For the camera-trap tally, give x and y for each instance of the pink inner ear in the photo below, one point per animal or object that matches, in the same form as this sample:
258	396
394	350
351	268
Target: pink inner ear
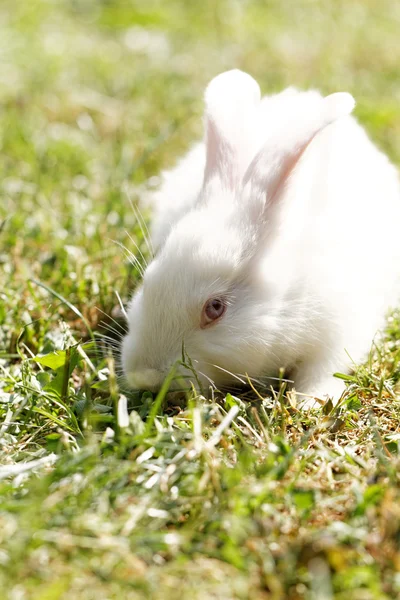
220	158
228	154
269	171
231	102
271	167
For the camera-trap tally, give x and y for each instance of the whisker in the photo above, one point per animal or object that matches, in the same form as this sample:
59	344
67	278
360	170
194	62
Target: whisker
142	224
137	248
211	382
107	338
112	319
106	348
260	382
134	261
121	305
228	373
107	327
131	257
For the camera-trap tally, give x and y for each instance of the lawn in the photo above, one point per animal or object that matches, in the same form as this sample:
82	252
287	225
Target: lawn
107	493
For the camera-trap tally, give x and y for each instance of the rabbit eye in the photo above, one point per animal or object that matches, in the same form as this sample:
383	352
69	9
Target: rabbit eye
212	311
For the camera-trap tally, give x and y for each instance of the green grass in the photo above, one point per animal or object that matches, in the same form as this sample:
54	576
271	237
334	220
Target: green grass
241	498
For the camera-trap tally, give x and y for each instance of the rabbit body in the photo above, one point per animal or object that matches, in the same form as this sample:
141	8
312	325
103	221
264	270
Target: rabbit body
300	240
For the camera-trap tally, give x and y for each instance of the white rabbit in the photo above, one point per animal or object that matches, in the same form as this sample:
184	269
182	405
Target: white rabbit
282	249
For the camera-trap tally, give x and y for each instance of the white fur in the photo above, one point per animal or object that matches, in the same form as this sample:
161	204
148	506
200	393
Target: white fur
301	237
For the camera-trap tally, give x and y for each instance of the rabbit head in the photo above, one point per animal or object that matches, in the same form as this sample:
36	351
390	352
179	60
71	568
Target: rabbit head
205	291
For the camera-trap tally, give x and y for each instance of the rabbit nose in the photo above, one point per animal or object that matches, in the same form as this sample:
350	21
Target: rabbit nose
146	379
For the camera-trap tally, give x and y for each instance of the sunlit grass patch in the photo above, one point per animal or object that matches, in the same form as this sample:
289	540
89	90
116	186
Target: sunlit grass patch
235	482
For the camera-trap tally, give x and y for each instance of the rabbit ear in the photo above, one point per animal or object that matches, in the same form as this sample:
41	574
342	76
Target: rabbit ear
271	167
230	102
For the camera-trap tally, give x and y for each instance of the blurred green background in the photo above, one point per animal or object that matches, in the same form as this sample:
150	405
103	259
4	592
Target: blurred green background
96	96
